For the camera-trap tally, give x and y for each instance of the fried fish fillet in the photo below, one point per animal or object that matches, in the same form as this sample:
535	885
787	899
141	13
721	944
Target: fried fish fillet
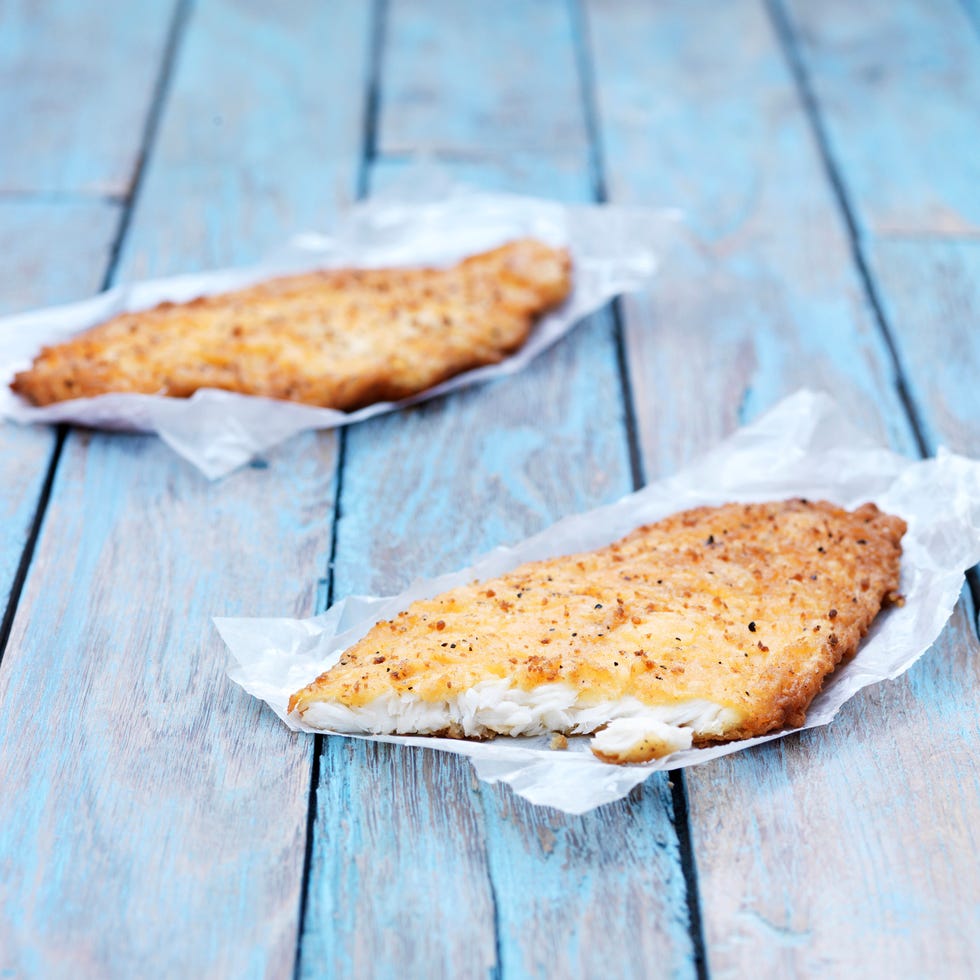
714	624
336	338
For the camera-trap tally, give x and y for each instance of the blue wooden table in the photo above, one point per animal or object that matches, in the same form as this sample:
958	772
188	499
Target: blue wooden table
154	820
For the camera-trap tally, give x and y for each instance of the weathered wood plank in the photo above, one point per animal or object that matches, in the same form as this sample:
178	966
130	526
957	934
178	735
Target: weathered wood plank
824	851
468	79
432	488
591	896
76	83
930	292
898	88
158	827
53	253
162	830
763	299
921	69
272	152
398	883
912	72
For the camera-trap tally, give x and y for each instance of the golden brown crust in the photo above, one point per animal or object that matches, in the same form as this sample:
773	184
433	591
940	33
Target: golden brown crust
748	606
338	339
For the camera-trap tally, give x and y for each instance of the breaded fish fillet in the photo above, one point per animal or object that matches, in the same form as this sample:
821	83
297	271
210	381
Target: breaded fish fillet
714	624
337	338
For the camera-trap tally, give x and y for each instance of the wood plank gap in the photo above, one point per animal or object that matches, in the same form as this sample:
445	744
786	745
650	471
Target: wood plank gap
590	105
151	128
178	21
308	849
790	50
788	44
973	582
497	970
326	594
24	565
593	128
586	70
678	796
368	155
372	107
637	469
335	517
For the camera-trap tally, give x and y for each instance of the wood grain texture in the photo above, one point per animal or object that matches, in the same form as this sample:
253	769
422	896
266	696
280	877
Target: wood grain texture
263	133
161	829
898	88
487	77
76	82
802	847
761	298
592	896
398	884
153	815
931	300
930	291
55	252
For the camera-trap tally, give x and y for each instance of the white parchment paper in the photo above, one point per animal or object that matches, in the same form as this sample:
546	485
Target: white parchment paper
614	250
803	447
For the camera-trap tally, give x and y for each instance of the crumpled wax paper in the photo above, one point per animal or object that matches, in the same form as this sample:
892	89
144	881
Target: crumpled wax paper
805	446
614	250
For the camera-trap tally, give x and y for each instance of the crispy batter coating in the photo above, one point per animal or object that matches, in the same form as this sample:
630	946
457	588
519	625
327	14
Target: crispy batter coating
747	606
337	338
